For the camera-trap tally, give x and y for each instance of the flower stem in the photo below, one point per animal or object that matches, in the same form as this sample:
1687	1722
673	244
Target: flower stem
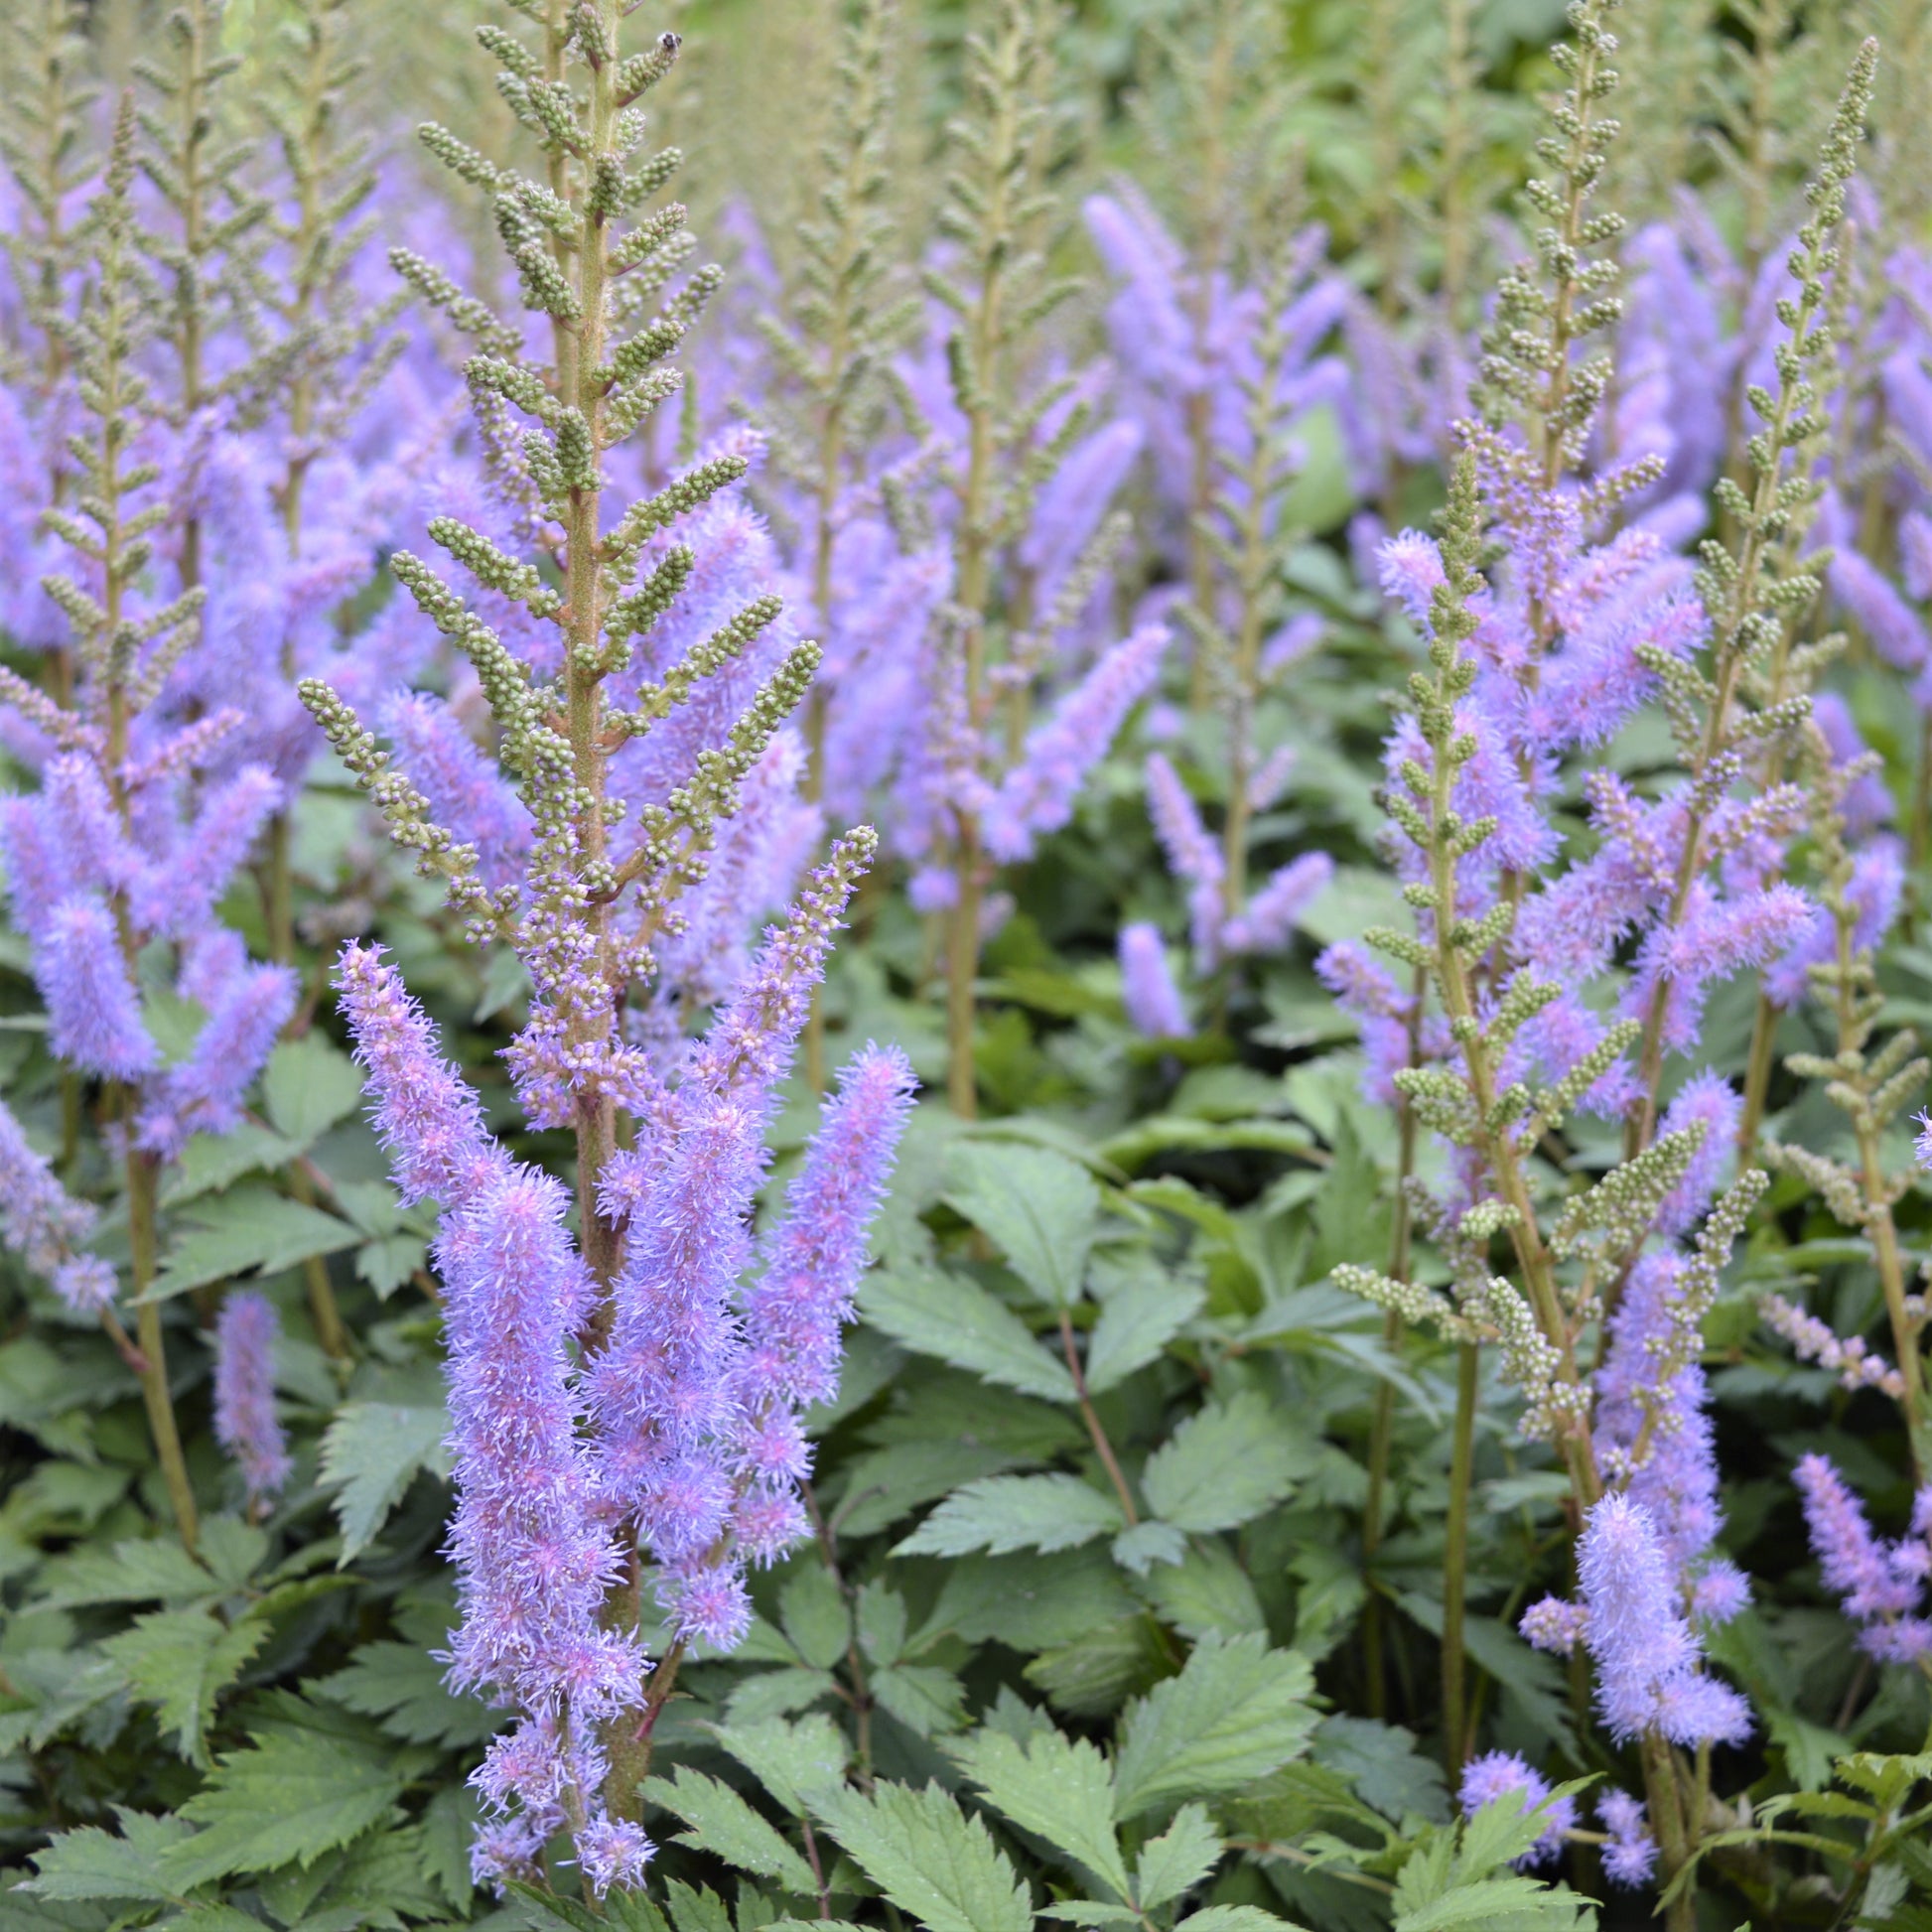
1456	1562
141	1176
1102	1446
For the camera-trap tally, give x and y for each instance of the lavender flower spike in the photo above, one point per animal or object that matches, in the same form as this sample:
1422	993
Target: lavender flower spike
43	1224
1631	1855
1647	1658
1153	1006
424	1112
245	1425
1881	1584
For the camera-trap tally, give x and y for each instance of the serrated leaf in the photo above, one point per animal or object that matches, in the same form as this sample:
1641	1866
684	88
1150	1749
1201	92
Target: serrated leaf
719	1821
958	1321
1499	1905
923	1697
1179	1859
1149	1546
232	1550
403	1685
309	1086
292	1797
1226	1464
778	1693
211	1162
137	1569
1236	1712
1382	1763
792	1760
371	1456
813	1612
91	1863
250	1230
1004	1513
1205	1593
1059	1789
1039	1208
928	1857
181	1661
1136	1321
880	1618
1235	1918
388	1263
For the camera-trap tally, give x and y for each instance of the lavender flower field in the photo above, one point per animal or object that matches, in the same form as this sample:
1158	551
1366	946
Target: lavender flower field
962	965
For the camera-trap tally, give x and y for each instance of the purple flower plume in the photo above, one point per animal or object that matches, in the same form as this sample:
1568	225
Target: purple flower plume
1631	1855
245	1425
1881	1584
1154	1004
45	1225
425	1113
1036	796
94	1011
1647	1656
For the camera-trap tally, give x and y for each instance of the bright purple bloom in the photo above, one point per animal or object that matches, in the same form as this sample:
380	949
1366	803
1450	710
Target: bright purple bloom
1276	910
92	1010
1708	1101
45	1225
1881	1584
1497	1775
1647	1657
1037	796
465	791
1554	1625
1154	1004
425	1113
1631	1855
245	1424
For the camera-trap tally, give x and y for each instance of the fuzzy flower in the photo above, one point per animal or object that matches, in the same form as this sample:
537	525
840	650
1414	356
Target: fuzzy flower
245	1424
1273	911
1813	1341
1153	1003
1881	1584
1555	1626
1647	1657
1037	796
424	1112
1497	1775
45	1225
92	1010
1631	1855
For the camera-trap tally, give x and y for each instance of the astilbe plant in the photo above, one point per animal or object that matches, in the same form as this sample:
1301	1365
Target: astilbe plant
116	865
625	1410
1023	490
1690	882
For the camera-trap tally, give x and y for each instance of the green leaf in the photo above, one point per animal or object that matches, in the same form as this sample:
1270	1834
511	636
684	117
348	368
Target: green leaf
388	1263
1236	1712
1041	1209
813	1612
957	1321
1205	1593
1179	1859
777	1694
371	1456
790	1759
1224	1466
881	1623
136	1570
928	1857
212	1162
181	1661
923	1697
1136	1322
309	1086
90	1864
719	1821
1235	1918
1384	1766
403	1685
1002	1513
293	1797
1057	1787
251	1230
